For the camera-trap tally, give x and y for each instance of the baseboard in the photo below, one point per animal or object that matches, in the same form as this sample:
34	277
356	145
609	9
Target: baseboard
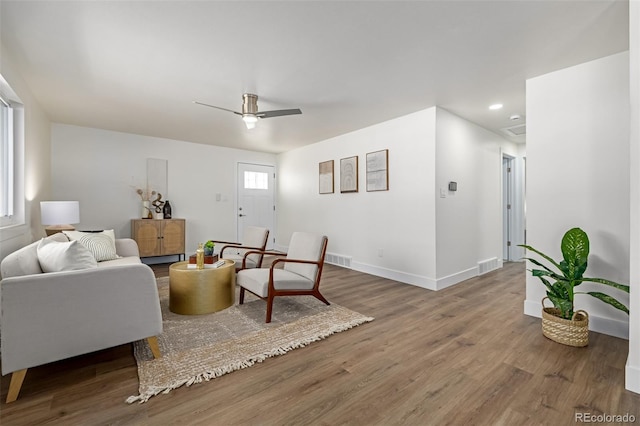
417	280
456	278
632	378
403	277
598	324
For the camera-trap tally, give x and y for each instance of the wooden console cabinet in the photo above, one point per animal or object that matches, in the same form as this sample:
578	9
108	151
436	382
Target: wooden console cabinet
159	237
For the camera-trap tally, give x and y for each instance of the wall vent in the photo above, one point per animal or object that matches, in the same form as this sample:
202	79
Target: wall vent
338	259
487	265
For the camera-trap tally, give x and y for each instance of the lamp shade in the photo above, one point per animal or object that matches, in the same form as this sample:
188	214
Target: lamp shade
59	212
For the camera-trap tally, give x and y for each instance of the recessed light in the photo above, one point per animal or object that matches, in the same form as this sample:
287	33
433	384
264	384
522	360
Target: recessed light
515	117
495	106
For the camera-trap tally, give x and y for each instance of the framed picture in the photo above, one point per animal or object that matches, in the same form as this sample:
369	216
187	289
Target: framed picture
326	177
349	174
378	170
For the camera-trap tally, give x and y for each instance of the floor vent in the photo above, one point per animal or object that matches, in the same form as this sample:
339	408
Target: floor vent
337	259
487	265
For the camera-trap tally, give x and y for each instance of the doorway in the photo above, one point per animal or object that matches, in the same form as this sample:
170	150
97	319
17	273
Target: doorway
256	198
507	207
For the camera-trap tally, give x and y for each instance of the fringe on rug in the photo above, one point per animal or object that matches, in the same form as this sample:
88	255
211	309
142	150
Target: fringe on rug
217	372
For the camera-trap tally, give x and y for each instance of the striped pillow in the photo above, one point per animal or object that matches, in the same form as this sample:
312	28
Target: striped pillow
101	244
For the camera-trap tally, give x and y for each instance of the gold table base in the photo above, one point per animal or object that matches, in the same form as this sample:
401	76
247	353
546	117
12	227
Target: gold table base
201	291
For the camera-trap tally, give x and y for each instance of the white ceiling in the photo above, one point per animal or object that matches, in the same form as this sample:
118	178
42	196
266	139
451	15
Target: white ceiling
136	66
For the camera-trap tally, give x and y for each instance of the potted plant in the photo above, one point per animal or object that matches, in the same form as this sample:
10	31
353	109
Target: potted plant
561	323
208	248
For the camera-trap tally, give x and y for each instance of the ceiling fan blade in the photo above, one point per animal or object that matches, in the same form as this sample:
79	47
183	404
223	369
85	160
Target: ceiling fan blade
217	107
278	113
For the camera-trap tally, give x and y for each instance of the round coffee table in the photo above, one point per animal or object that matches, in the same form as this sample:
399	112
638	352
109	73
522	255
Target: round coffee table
201	291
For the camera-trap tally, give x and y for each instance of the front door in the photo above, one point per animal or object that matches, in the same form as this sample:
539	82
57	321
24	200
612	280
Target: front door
256	198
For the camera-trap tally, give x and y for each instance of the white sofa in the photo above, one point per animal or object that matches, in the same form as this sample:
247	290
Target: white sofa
50	316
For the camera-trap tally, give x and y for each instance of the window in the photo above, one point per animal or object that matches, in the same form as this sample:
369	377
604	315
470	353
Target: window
11	157
6	159
256	180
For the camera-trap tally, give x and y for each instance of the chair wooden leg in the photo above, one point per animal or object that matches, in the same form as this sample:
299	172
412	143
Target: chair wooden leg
155	348
241	295
17	377
269	308
321	297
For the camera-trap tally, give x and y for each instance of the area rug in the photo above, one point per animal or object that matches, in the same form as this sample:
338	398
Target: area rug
197	348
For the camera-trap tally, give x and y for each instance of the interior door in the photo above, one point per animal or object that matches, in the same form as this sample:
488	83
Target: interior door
507	206
256	198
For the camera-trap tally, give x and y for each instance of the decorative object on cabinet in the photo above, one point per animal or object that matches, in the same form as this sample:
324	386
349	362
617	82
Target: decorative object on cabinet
378	170
326	177
159	237
166	210
145	196
158	206
59	215
349	174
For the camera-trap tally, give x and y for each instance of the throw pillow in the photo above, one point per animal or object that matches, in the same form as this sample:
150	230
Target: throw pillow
101	244
55	256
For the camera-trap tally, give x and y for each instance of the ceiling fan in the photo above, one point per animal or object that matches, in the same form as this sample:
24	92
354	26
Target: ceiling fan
250	114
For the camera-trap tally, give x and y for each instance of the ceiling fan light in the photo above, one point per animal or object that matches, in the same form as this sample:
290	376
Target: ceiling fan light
250	120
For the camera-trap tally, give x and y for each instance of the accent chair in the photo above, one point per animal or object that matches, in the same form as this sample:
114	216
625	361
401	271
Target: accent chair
299	276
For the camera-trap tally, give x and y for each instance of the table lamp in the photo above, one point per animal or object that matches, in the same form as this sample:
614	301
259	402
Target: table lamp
58	215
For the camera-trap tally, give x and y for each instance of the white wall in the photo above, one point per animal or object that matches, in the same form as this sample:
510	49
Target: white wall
425	240
469	220
37	160
578	175
100	169
632	380
400	221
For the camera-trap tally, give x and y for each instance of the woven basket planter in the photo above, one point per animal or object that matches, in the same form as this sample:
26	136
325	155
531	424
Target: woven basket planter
573	332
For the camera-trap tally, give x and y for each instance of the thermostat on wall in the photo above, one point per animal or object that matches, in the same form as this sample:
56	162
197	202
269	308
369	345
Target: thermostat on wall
453	186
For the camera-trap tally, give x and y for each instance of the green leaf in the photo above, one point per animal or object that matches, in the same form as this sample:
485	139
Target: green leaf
541	273
575	251
565	306
544	256
538	263
560	289
622	287
609	300
546	283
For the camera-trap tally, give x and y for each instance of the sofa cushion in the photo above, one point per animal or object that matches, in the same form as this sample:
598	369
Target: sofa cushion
25	260
257	280
129	260
101	244
55	256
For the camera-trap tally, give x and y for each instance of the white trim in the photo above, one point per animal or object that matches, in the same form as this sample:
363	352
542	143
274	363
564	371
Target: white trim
456	278
632	378
403	277
419	280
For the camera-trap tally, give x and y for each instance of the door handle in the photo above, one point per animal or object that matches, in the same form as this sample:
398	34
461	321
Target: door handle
242	215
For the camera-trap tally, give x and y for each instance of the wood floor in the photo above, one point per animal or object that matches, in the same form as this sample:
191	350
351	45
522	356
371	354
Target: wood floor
462	356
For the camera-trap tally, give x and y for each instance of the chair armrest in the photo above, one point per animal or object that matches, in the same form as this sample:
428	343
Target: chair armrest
258	250
240	246
287	260
224	242
126	247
